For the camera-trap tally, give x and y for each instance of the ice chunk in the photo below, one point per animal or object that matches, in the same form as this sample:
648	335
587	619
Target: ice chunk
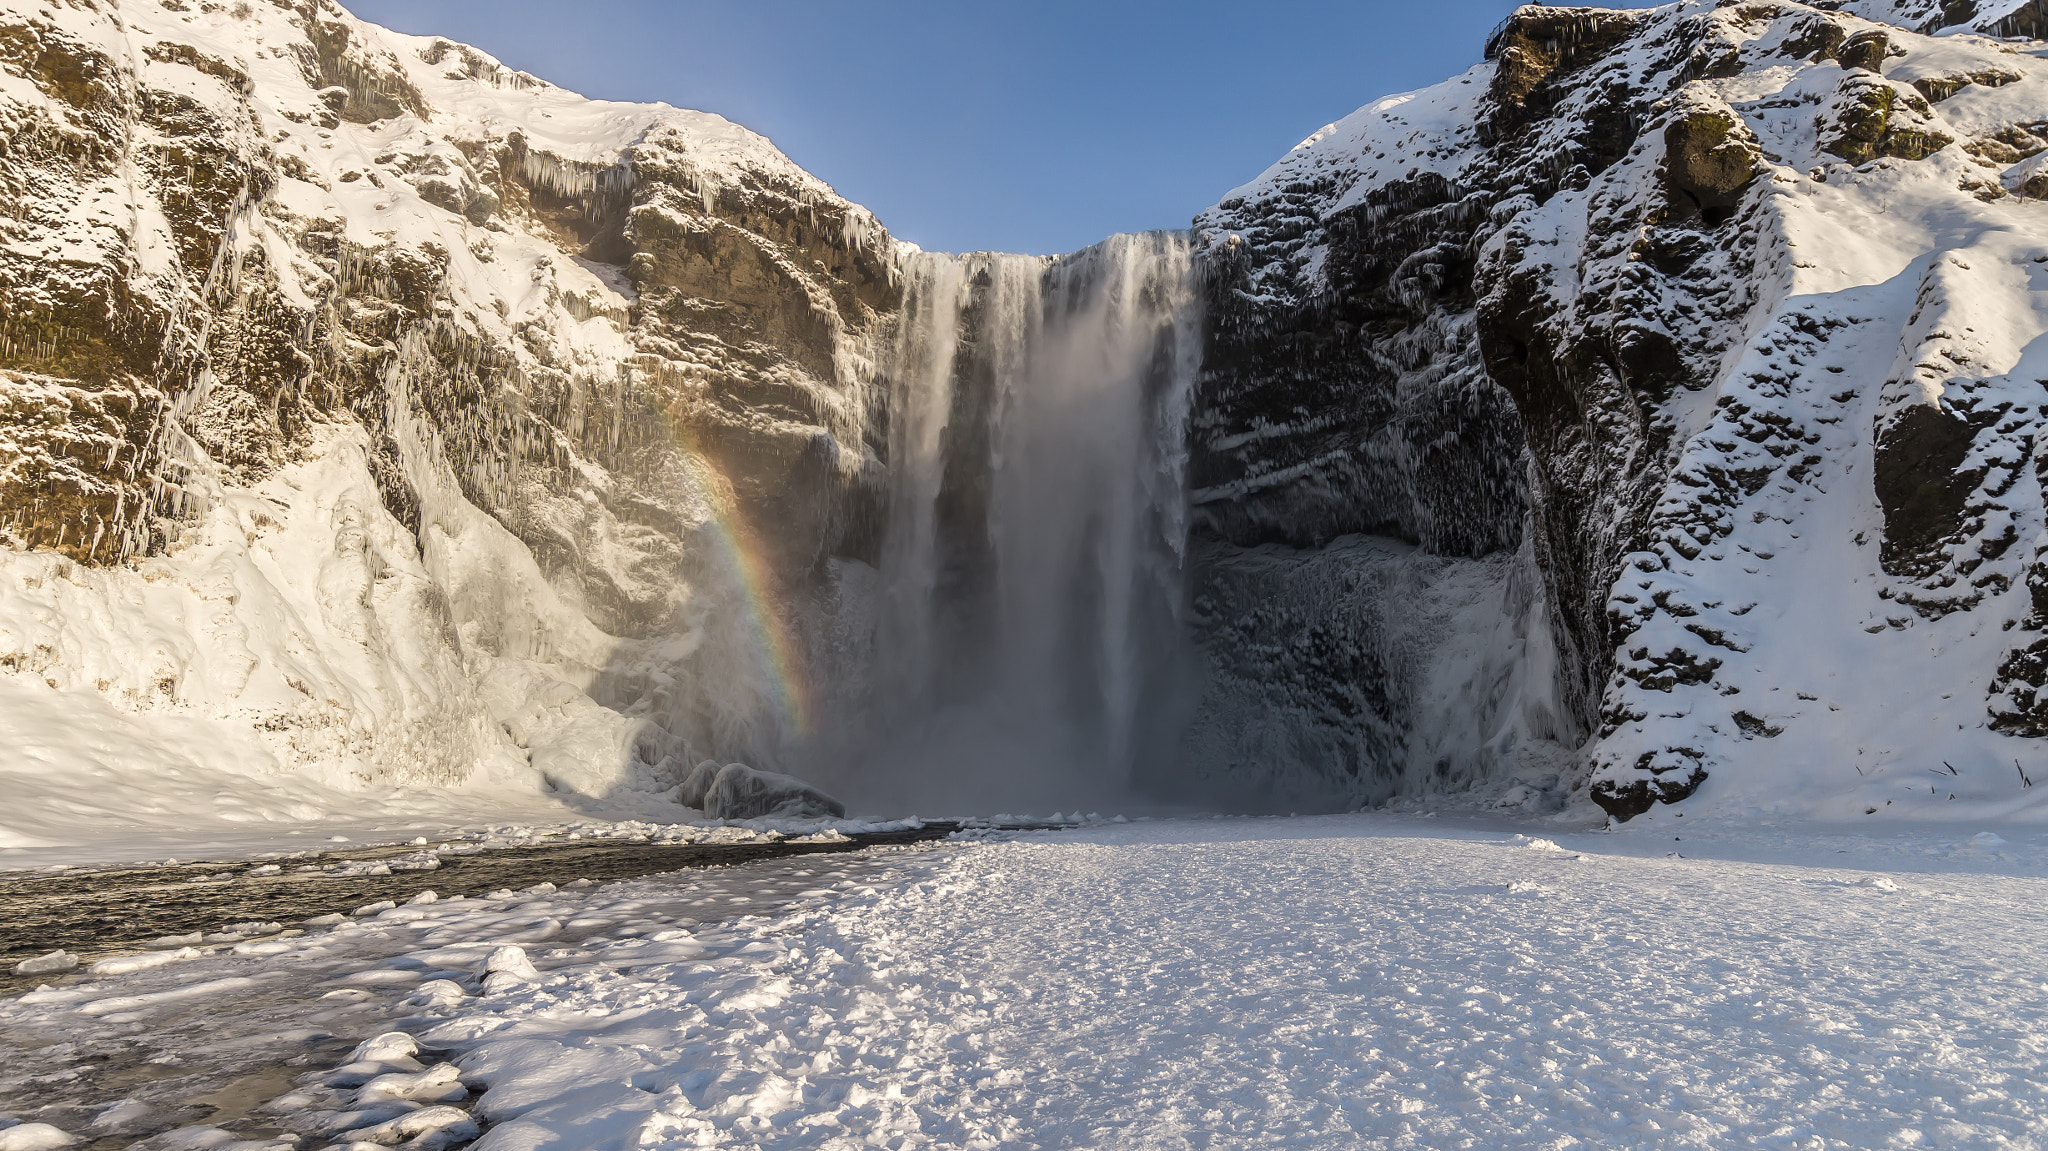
698	783
437	1084
451	1123
210	1139
437	993
58	960
389	1047
123	964
510	958
741	792
35	1137
506	968
253	928
829	835
123	1117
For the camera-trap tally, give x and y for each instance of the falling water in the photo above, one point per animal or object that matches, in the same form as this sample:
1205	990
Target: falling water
1027	646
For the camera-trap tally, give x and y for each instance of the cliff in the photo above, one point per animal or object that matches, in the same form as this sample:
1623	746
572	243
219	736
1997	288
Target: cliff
1738	301
396	418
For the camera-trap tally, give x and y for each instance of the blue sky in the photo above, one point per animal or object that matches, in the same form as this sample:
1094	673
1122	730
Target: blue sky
1038	127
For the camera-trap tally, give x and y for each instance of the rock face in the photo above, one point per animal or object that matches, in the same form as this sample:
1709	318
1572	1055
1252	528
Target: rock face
1740	288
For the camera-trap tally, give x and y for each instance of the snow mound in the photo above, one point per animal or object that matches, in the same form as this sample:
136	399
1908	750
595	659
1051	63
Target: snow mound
741	792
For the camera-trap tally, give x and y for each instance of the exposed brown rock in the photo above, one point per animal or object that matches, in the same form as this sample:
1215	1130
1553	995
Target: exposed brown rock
1710	157
1873	117
1865	50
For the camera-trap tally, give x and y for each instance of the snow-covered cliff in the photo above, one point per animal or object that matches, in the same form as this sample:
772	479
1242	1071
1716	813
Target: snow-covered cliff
376	416
1761	283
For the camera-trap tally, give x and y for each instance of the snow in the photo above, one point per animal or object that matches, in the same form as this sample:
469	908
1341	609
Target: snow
1428	130
1347	982
1828	946
300	664
34	1137
1355	981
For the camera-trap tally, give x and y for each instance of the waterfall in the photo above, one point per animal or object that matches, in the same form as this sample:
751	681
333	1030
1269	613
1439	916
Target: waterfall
1027	613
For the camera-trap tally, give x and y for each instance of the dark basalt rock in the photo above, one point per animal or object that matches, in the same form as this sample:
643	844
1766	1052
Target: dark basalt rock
1873	117
1364	395
1920	483
1865	50
2029	21
1540	43
1625	801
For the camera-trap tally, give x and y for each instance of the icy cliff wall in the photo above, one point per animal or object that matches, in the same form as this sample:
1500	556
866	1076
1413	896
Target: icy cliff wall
403	419
1756	285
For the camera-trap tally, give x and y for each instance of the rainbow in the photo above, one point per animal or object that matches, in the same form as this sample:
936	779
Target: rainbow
778	651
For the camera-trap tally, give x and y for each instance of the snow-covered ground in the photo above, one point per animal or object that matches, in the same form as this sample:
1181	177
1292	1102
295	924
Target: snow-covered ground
1340	981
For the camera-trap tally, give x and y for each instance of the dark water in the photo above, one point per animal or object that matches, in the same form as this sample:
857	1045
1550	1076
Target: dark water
99	913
